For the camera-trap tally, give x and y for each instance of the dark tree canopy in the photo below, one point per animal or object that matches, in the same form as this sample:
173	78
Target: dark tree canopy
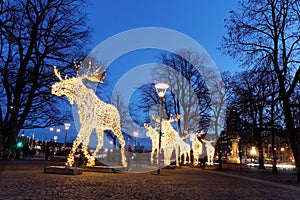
187	96
35	35
265	34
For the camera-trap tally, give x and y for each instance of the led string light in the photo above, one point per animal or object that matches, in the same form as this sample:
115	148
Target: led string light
196	146
170	141
210	149
93	114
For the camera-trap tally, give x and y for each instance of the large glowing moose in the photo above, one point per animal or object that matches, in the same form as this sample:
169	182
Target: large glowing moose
93	114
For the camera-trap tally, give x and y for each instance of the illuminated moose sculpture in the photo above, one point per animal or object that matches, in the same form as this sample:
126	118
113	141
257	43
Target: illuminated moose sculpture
93	114
185	149
210	149
171	140
153	134
196	146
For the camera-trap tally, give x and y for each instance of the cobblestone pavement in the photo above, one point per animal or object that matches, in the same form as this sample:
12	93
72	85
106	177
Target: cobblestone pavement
20	179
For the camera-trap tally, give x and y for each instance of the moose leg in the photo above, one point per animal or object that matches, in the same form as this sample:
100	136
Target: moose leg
117	131
189	155
70	160
152	153
85	143
91	159
184	158
100	135
167	155
196	158
177	156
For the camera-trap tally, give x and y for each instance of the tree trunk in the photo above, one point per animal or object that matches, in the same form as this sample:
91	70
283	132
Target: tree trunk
260	153
10	136
293	135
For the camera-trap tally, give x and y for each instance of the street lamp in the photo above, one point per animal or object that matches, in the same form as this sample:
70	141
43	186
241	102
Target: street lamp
57	131
67	127
160	90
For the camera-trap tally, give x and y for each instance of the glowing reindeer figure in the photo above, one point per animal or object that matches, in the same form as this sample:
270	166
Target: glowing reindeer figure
171	136
210	149
185	149
93	114
168	144
153	134
169	139
196	146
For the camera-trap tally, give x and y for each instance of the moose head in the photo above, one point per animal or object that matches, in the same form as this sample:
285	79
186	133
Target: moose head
151	131
70	86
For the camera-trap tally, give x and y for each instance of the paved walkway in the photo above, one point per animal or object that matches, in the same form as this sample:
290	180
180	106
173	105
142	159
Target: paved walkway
21	179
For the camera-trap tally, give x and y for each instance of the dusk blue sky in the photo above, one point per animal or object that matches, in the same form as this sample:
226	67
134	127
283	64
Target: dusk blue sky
199	19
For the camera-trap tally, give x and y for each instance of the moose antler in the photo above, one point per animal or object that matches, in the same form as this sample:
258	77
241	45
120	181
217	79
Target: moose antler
57	73
95	77
155	118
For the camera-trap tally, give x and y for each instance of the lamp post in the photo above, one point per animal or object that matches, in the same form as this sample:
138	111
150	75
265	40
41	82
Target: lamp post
160	90
55	136
67	127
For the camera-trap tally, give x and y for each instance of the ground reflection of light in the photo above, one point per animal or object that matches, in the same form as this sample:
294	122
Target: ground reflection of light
283	166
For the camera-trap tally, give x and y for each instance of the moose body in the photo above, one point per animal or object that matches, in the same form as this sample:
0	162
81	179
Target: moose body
170	142
210	149
197	147
93	114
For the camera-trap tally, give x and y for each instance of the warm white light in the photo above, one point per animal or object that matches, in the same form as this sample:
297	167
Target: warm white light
170	142
161	89
197	147
51	128
253	151
67	126
93	114
58	130
210	151
135	133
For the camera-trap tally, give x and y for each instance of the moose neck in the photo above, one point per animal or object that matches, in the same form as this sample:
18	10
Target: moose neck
85	96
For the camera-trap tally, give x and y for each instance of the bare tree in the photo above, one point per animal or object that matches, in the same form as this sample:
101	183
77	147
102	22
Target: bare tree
35	35
266	33
188	95
253	95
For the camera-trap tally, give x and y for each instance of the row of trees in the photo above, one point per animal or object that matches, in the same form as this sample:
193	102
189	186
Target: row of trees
263	36
34	36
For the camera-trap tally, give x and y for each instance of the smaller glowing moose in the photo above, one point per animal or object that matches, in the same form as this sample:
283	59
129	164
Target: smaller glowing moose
93	114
